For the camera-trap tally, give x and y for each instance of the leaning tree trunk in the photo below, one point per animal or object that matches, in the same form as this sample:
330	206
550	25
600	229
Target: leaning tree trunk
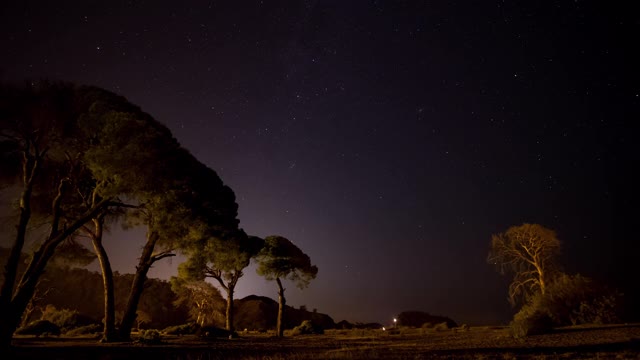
12	313
30	167
281	303
146	260
137	286
10	318
109	331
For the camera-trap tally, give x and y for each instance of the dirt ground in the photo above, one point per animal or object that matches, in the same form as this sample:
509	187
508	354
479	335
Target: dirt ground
586	342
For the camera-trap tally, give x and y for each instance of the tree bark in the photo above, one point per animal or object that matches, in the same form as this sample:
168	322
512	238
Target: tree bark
12	312
229	313
281	303
109	331
30	167
137	287
541	281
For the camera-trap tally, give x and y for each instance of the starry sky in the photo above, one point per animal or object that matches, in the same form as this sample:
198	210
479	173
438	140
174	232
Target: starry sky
387	139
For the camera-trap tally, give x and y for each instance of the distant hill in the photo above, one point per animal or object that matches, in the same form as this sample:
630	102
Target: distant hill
260	313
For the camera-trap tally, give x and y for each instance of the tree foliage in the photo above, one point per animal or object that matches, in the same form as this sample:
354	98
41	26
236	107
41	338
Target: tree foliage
576	299
40	125
550	298
74	152
222	259
280	260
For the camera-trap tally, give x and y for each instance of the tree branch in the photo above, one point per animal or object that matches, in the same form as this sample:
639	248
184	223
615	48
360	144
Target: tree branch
160	256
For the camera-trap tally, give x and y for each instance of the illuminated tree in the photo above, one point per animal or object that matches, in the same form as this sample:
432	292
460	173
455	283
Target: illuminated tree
223	260
203	300
280	260
528	251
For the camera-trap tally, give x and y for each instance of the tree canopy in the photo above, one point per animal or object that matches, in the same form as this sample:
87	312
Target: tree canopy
529	252
73	152
279	260
223	259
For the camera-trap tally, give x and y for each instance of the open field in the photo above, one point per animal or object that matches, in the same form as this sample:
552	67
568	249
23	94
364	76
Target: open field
586	342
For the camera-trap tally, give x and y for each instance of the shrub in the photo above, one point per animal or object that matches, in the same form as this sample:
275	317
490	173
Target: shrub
531	320
39	327
85	330
441	326
600	310
575	299
150	337
65	318
307	327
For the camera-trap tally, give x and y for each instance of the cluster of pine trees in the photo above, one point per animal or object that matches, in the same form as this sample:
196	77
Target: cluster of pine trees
76	160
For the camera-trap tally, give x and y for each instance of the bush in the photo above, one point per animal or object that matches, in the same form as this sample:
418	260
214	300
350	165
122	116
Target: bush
39	328
575	299
531	320
85	330
184	329
604	309
307	327
65	318
441	326
151	337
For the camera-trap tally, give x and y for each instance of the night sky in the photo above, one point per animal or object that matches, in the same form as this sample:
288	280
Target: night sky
388	140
